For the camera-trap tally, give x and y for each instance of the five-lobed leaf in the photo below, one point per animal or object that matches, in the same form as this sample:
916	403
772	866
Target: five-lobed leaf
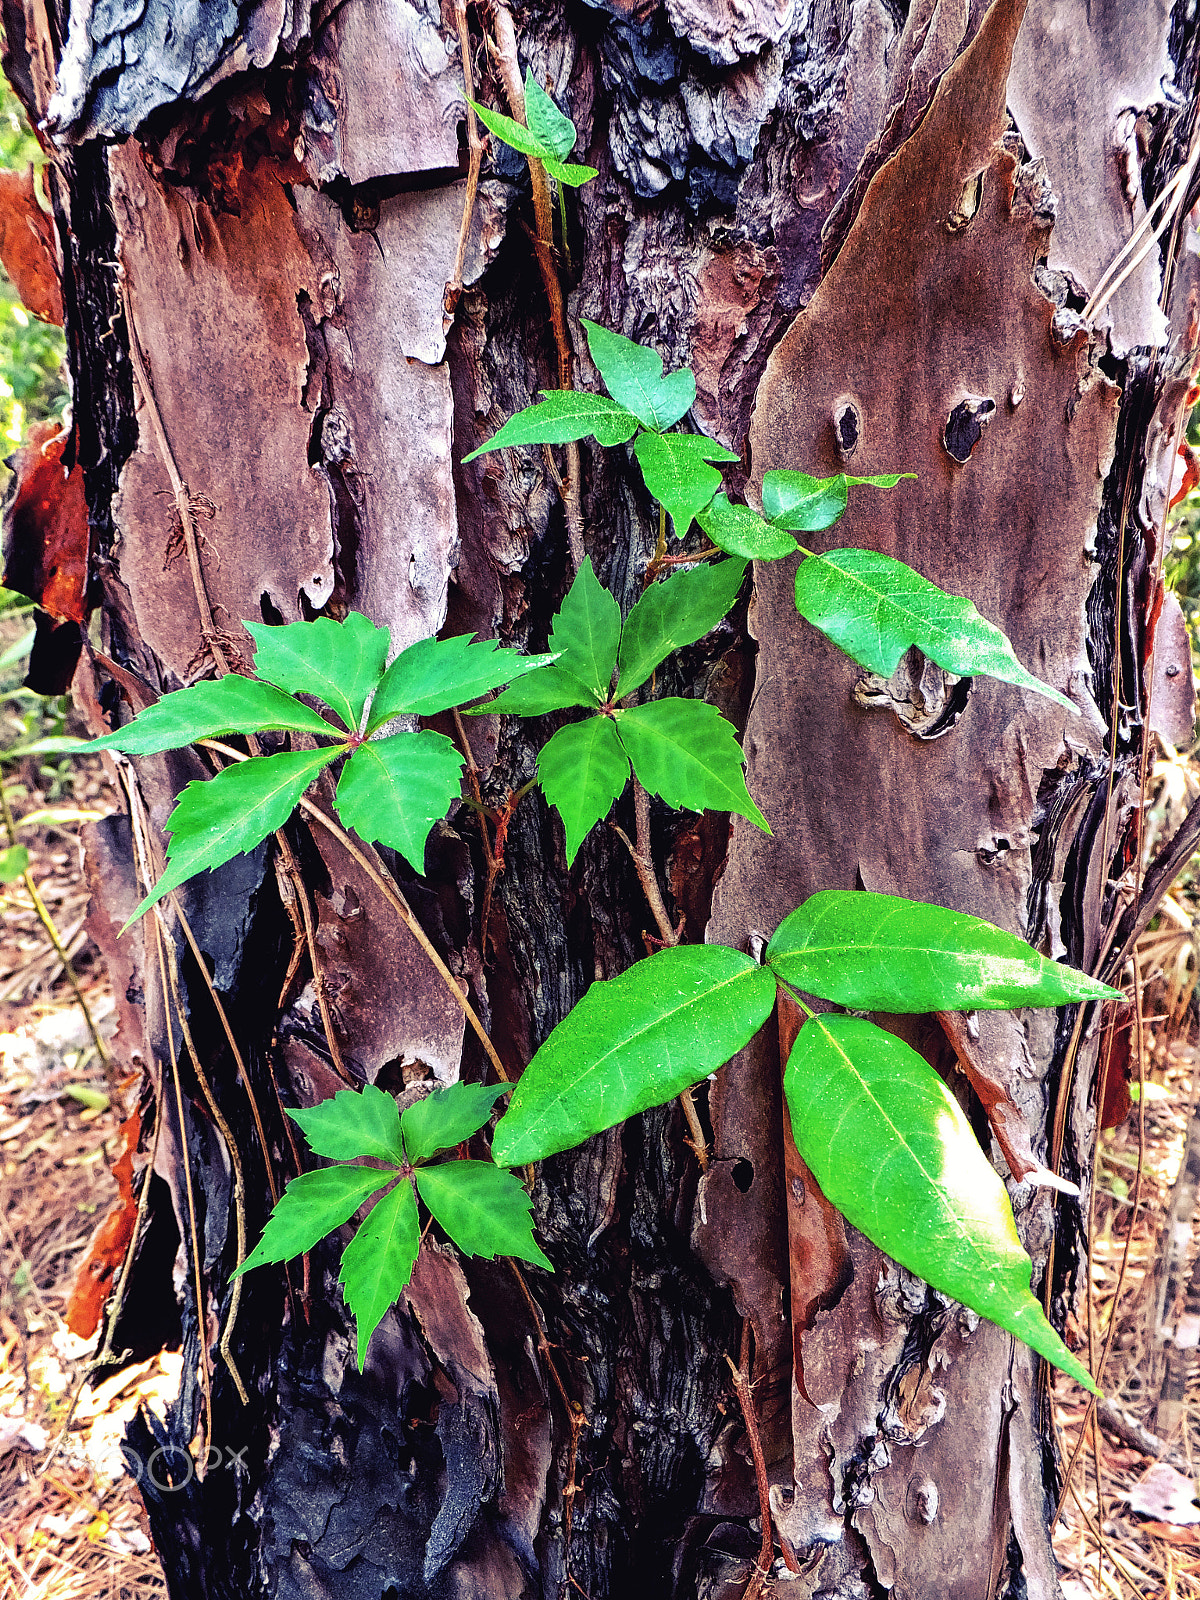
631	1043
435	674
483	1208
378	1262
232	704
393	790
561	417
582	769
311	1206
447	1117
875	608
353	1123
878	952
891	1148
685	752
674	613
233	813
339	662
742	532
675	471
633	375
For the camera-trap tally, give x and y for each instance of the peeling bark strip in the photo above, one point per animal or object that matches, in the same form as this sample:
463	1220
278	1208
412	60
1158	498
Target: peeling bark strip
284	209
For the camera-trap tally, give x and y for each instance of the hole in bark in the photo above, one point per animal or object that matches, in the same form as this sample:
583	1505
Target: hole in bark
964	426
742	1175
847	426
271	614
968	204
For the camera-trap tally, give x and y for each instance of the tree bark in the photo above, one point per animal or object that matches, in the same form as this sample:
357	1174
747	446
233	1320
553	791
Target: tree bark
872	233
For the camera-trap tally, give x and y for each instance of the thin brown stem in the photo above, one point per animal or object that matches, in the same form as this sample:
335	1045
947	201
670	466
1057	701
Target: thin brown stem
490	860
475	162
742	1388
543	212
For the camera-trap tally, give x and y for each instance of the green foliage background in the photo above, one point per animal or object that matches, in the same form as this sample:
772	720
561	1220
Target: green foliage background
32	374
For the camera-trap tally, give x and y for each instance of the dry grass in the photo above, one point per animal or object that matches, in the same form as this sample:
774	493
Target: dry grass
74	1528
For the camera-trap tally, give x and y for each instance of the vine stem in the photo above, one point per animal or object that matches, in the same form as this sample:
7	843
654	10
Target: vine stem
742	1388
475	146
543	243
398	904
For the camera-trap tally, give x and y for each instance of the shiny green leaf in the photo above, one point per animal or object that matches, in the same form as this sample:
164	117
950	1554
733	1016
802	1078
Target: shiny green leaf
673	465
560	417
796	501
447	1117
311	1206
587	632
378	1261
631	1043
685	752
339	662
890	1147
393	790
582	769
874	608
549	690
353	1123
743	532
877	952
674	613
207	710
435	674
483	1208
633	375
554	130
232	813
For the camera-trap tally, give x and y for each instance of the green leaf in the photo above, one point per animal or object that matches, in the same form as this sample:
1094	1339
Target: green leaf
673	465
14	862
435	674
587	632
633	375
447	1117
561	417
339	662
891	1148
311	1206
232	813
570	173
743	532
483	1208
393	790
634	1042
553	130
549	690
874	607
378	1261
685	752
793	500
674	613
515	134
232	704
582	769
877	952
352	1124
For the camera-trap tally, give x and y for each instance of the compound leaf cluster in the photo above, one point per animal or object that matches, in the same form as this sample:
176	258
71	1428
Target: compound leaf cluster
392	788
482	1207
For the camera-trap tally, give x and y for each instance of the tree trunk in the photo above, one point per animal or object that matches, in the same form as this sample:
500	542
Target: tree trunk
872	236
